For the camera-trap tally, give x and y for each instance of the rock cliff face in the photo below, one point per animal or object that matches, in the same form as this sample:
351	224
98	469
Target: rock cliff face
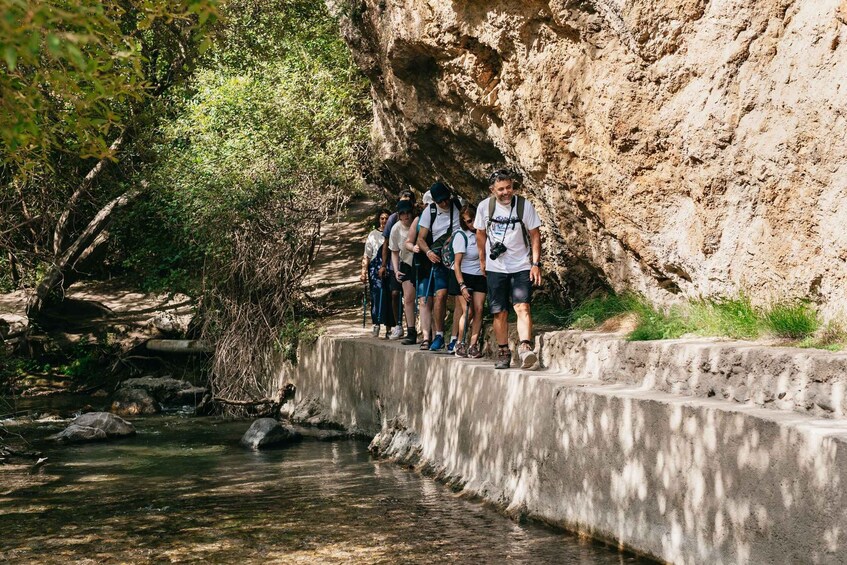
675	147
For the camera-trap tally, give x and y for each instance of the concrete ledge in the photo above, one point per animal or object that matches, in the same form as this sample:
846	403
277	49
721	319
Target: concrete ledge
686	480
804	380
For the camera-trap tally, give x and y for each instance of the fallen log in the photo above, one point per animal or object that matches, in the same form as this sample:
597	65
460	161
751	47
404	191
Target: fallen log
245	402
180	346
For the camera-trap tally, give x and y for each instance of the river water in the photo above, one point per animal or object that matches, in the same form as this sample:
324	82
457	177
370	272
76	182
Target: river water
182	490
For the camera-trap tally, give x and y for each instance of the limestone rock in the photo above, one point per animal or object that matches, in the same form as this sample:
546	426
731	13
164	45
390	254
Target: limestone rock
308	412
677	148
95	426
134	402
267	432
166	390
169	323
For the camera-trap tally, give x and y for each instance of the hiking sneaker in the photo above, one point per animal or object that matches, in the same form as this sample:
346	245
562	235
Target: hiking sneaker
474	352
411	337
396	333
451	346
461	350
504	358
437	343
528	356
376	330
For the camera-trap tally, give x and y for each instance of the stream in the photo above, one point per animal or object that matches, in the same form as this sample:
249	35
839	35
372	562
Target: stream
183	490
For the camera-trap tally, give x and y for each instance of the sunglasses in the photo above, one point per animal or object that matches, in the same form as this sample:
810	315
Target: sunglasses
500	174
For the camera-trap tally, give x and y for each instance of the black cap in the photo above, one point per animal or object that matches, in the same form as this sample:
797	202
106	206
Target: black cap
439	191
404	206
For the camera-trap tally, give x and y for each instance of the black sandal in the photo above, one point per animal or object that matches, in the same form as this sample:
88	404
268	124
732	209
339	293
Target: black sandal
425	345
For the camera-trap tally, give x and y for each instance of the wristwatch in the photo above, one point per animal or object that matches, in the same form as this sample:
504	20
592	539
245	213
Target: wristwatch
536	264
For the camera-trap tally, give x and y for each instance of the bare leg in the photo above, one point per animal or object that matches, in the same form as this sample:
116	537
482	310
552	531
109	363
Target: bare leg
409	303
501	327
425	311
439	310
524	321
478	304
456	315
459	314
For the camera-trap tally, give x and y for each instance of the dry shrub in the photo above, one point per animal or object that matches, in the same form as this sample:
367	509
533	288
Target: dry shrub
255	295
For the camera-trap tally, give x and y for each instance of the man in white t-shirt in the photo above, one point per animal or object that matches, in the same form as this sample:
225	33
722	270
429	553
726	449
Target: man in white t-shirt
434	234
509	241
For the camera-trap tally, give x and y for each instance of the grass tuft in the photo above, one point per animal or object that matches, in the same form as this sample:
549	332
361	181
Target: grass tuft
792	320
731	317
654	324
594	311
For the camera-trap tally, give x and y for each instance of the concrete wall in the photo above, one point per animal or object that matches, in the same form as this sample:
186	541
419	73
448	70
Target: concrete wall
783	378
686	480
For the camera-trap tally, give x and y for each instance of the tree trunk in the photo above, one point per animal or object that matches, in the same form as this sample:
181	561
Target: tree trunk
54	277
60	231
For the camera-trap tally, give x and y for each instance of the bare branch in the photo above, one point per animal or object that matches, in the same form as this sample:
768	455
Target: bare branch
61	226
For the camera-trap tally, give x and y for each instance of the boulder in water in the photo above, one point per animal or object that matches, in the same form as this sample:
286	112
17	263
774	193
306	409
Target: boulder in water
134	402
267	432
166	390
95	426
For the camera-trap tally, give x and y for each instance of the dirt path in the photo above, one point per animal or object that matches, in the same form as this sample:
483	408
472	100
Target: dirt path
333	280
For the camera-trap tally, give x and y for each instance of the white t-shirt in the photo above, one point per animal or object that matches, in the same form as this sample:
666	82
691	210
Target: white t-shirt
467	245
397	241
373	245
516	258
442	221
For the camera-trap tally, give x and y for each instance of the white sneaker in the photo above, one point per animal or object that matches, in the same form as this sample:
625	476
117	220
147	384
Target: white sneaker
528	358
376	330
396	333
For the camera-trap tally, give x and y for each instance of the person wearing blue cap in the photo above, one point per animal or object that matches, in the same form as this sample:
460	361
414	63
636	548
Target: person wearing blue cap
437	226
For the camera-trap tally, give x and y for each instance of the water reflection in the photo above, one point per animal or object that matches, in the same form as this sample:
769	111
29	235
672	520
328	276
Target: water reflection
182	490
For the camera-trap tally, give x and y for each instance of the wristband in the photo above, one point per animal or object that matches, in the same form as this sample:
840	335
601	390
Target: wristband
462	285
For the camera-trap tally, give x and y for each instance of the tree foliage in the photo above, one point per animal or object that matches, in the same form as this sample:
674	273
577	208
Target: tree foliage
77	77
260	148
244	120
73	68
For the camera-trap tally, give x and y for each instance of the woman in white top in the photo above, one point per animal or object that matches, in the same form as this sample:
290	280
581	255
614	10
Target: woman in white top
371	263
471	283
401	260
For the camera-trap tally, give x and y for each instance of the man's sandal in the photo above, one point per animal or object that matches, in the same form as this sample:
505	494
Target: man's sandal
425	345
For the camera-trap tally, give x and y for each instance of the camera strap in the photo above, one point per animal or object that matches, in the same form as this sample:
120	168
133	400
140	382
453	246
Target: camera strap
519	219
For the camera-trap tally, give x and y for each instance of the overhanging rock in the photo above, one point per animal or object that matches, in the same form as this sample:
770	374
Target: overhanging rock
684	479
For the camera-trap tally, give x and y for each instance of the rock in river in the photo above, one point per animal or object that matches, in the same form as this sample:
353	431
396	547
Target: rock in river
134	402
267	432
95	426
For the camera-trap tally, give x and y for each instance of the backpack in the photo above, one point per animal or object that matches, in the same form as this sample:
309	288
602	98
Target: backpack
440	244
521	205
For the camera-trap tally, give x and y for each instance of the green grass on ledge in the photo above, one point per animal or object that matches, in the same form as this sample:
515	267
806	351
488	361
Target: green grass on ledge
732	317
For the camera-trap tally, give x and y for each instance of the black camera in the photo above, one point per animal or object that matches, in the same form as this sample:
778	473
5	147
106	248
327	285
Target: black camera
497	249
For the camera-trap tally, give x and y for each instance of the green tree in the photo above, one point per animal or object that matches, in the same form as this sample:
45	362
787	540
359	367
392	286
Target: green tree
79	80
263	144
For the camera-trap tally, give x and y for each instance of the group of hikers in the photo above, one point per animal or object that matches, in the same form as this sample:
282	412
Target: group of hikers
455	249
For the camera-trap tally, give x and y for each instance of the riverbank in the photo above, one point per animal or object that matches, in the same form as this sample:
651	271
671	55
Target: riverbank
681	478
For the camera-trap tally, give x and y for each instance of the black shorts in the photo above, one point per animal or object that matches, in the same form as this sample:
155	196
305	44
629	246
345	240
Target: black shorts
507	289
407	273
452	284
393	285
475	283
